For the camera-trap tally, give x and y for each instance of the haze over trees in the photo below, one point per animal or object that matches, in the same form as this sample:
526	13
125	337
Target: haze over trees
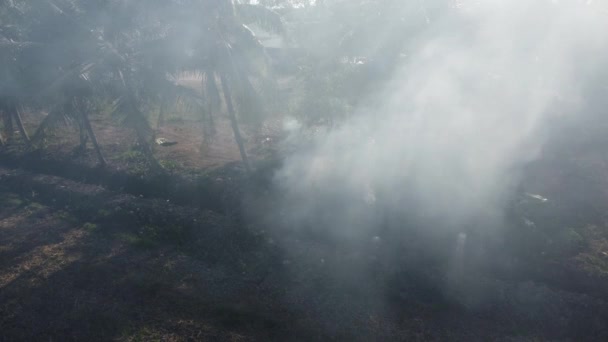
375	170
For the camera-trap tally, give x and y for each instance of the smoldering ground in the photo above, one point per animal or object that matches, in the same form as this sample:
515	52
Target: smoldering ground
408	197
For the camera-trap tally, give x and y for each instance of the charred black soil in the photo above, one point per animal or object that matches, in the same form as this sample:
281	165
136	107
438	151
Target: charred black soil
95	254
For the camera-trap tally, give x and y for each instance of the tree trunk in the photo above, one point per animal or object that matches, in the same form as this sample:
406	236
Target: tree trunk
161	116
143	133
143	136
7	120
212	95
234	123
22	130
41	130
84	137
89	128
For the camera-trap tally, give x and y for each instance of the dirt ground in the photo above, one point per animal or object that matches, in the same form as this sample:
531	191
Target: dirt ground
118	143
87	255
80	262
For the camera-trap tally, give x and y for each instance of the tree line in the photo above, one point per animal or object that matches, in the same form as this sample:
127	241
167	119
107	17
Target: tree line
71	58
76	58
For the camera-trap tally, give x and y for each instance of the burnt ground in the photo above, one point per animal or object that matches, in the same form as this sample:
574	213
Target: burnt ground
81	262
118	254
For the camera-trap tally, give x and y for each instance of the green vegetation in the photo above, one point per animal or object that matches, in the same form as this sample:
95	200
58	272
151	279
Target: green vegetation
65	215
11	201
103	213
90	227
149	236
170	165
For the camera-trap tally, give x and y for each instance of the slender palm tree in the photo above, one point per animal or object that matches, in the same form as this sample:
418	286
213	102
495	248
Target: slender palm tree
106	69
12	72
128	52
234	57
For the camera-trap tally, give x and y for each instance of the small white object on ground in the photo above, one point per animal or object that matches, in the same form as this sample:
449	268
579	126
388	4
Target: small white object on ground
537	197
165	142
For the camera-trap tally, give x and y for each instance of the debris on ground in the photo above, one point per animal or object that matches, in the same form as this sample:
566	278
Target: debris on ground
537	197
165	142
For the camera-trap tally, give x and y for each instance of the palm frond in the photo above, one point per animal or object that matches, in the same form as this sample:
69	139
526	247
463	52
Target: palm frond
188	98
127	111
264	17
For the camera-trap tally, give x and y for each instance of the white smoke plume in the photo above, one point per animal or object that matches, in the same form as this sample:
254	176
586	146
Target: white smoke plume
454	125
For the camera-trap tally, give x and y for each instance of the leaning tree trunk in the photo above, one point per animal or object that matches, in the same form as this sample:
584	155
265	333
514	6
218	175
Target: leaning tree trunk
4	121
7	120
142	129
16	114
161	115
212	95
87	125
40	132
143	138
82	133
234	123
84	137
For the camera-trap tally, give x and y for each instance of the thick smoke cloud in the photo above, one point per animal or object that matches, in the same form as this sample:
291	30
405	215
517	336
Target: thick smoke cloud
414	187
445	139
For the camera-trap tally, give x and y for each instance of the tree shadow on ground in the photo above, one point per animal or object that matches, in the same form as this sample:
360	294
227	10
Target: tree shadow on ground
120	277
